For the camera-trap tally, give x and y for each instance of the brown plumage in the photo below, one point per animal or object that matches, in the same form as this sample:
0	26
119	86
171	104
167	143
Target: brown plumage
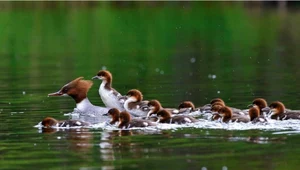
255	115
227	115
279	112
77	89
165	117
126	121
51	122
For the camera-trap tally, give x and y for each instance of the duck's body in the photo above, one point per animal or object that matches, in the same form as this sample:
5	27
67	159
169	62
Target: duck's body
127	122
165	116
188	107
109	96
50	122
237	111
255	116
135	104
279	112
78	90
226	113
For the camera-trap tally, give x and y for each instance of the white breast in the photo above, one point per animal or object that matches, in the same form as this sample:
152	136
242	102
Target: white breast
108	98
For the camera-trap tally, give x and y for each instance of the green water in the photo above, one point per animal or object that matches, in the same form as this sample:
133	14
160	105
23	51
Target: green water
168	52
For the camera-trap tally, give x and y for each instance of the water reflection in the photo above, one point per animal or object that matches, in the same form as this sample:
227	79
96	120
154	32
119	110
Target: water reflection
79	139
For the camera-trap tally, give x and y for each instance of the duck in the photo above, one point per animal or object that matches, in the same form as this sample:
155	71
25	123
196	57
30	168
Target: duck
154	106
78	89
110	97
255	115
189	106
278	112
50	122
234	110
127	122
165	116
226	113
135	104
260	103
114	113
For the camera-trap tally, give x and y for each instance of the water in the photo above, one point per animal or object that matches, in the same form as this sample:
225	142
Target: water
171	52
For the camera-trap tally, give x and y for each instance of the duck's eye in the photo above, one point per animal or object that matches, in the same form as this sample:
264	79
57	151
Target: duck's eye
65	90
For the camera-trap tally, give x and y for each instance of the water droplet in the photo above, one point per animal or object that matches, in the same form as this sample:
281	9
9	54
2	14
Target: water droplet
157	69
224	168
103	67
218	92
58	137
193	60
213	76
162	72
23	92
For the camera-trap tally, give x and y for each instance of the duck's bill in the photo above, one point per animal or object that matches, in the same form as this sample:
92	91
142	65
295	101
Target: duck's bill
95	77
250	105
59	93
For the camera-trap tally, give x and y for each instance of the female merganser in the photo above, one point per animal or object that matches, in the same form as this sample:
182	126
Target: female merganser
126	121
135	104
78	90
255	115
279	112
226	114
49	122
110	97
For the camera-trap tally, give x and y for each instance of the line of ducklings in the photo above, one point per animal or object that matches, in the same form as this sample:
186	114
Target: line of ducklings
132	111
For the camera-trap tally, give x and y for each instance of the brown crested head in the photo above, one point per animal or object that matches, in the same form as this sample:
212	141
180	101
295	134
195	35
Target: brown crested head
124	117
277	107
104	75
254	112
114	113
216	107
217	100
260	102
155	106
225	111
164	114
186	104
135	93
77	89
49	121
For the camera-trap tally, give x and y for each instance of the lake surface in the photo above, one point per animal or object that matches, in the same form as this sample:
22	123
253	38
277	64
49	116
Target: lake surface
171	52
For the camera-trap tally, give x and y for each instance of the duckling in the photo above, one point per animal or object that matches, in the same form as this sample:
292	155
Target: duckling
226	113
279	112
50	122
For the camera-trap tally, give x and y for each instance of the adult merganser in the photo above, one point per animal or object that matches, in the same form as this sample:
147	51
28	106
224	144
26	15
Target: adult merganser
50	122
110	97
226	113
78	90
279	112
135	104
